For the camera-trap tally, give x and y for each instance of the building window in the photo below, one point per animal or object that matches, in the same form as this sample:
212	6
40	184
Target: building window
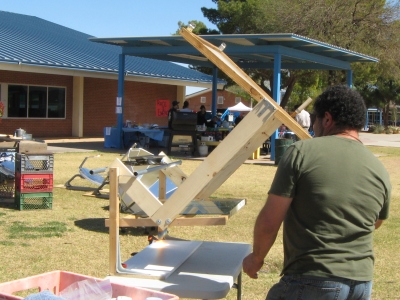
238	100
35	102
202	99
56	103
220	100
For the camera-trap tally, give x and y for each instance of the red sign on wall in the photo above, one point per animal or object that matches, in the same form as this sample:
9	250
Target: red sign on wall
162	107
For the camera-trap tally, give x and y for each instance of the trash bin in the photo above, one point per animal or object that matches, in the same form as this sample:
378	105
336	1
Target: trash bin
280	147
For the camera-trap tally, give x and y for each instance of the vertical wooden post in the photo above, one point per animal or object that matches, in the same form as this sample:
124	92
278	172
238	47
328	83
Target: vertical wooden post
114	220
162	186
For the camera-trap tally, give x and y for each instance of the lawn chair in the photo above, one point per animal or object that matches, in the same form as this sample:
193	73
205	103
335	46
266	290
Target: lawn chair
93	176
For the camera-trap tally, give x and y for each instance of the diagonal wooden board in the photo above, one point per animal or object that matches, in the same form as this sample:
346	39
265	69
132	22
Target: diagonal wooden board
250	133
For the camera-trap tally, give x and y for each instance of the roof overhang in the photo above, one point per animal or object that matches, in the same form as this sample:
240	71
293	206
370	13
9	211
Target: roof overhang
246	50
113	75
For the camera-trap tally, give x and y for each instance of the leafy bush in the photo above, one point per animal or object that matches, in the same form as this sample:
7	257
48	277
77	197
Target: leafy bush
378	128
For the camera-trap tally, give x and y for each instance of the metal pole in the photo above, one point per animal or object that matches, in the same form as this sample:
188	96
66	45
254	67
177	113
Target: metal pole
119	109
276	94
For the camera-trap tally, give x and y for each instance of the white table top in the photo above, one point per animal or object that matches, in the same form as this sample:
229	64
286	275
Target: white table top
208	273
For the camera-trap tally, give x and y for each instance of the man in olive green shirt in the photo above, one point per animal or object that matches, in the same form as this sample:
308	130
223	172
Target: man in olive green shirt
330	192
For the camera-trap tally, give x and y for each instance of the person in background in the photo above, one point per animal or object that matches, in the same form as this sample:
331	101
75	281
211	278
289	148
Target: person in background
215	122
238	119
281	131
201	116
303	118
173	109
185	107
331	193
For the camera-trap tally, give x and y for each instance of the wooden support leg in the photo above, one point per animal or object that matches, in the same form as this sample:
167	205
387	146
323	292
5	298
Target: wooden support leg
114	220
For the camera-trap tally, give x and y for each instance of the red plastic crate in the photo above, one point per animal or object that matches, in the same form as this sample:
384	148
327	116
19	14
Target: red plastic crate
33	183
57	281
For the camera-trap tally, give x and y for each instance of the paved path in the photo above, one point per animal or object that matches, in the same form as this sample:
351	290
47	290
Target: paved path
383	140
93	144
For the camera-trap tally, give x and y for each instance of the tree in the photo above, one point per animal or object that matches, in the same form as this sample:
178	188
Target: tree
385	94
367	26
199	28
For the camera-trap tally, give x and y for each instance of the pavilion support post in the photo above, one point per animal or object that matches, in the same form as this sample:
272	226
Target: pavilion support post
276	94
349	78
120	100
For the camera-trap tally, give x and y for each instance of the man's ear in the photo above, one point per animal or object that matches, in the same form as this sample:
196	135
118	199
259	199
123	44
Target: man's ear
328	121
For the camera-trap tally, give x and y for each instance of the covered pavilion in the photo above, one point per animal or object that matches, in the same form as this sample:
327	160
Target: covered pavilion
275	51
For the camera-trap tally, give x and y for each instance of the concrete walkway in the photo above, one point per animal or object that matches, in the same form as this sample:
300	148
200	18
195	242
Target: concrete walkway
382	140
97	144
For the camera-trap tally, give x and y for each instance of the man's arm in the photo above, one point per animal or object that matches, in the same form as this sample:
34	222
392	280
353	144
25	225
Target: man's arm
266	229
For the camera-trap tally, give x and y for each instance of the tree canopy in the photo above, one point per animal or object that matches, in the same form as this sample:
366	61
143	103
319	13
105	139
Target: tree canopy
371	27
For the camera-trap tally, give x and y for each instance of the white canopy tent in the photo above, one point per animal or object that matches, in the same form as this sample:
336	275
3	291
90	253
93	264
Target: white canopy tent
239	107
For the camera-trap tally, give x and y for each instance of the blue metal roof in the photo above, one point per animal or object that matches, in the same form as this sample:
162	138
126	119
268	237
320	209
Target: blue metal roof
246	50
29	40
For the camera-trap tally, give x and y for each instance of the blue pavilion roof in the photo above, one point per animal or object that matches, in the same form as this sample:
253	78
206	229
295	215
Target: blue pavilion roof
31	41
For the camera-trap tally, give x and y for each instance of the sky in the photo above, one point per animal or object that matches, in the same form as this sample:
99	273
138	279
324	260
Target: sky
117	18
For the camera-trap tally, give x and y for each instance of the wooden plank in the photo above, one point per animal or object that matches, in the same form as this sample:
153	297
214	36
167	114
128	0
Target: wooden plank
251	132
175	174
182	221
137	192
162	184
123	170
301	107
236	148
114	220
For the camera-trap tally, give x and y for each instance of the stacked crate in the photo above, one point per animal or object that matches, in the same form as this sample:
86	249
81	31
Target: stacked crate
34	180
7	172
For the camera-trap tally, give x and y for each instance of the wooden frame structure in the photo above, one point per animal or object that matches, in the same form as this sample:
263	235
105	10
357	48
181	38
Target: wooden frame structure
251	132
217	167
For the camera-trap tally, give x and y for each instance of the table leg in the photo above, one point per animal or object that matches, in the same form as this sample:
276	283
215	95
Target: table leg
238	286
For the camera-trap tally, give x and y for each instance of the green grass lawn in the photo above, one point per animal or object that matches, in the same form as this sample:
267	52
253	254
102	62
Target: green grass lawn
72	237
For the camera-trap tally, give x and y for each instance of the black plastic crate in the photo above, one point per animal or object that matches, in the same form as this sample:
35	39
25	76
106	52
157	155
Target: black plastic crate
7	188
25	201
34	163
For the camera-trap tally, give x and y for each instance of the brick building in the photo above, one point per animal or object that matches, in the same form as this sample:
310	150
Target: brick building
55	82
225	99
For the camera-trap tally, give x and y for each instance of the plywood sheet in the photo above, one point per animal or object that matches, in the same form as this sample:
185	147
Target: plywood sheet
160	259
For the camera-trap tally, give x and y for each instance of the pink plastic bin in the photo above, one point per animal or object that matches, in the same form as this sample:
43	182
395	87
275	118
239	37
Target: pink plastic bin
56	281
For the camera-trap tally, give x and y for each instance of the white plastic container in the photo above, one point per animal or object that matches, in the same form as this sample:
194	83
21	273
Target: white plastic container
203	149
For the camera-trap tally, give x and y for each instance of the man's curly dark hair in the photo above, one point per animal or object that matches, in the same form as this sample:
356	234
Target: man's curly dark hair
346	106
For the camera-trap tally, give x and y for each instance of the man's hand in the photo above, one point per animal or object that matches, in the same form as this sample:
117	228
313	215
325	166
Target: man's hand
251	265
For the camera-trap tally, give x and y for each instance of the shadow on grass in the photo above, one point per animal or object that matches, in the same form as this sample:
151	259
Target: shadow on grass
7	203
98	225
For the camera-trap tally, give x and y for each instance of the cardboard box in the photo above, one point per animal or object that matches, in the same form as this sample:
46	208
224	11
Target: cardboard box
26	146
